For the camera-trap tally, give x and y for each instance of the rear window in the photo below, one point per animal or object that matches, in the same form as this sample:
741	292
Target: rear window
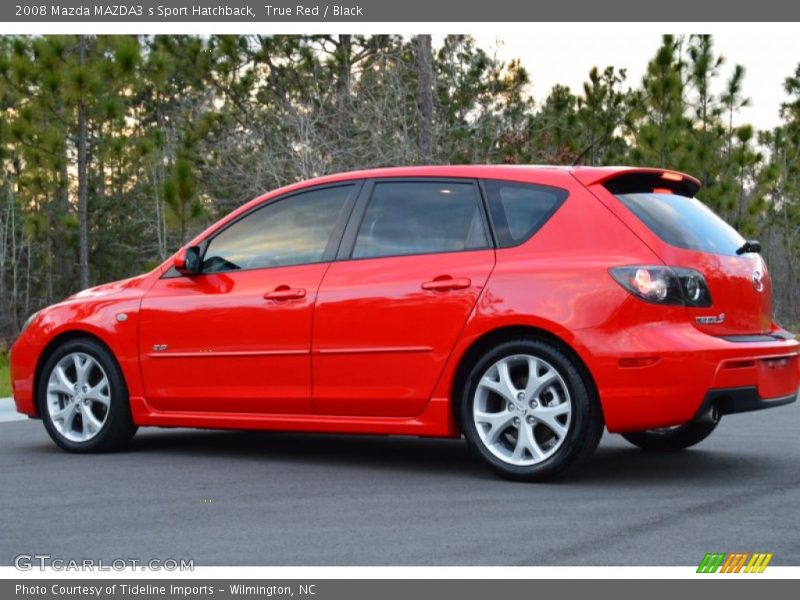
684	222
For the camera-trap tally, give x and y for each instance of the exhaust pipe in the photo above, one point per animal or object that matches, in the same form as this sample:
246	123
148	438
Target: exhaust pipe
711	415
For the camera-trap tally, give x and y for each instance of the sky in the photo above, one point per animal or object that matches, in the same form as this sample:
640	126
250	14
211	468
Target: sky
768	54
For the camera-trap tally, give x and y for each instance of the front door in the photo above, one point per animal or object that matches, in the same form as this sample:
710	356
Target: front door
236	338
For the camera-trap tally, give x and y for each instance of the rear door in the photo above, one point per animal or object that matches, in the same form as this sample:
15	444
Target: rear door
413	262
684	232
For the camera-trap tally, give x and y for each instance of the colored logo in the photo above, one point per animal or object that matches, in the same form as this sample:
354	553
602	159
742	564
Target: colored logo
737	562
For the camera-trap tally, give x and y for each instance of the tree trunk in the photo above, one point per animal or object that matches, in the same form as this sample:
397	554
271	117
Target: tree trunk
425	97
63	257
6	306
83	184
14	263
343	114
48	240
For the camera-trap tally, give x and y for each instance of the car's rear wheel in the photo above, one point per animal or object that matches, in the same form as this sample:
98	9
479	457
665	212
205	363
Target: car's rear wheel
529	412
672	439
83	399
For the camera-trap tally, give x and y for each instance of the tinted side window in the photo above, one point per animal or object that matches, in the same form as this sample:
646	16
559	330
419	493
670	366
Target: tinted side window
684	222
291	231
520	209
419	218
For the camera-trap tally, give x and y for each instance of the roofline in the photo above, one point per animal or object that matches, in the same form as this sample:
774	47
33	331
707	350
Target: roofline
569	174
588	175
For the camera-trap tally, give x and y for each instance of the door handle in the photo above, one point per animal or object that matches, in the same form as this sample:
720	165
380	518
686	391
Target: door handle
445	283
284	292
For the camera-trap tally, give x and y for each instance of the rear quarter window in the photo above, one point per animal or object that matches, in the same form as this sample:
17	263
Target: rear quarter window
519	209
683	222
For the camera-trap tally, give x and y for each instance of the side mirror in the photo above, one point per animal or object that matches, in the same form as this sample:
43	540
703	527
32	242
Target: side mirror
187	262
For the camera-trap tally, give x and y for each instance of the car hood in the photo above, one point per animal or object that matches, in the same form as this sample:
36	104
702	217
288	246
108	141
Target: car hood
130	286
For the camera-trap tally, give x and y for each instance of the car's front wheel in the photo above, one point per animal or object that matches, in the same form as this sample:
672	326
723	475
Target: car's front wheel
83	399
529	411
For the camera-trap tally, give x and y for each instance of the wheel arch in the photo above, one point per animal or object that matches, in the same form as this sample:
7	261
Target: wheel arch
58	341
507	333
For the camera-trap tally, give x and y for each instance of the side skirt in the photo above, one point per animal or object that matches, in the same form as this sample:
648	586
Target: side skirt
435	421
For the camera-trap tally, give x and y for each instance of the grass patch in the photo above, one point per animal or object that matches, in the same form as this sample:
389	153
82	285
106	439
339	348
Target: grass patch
5	376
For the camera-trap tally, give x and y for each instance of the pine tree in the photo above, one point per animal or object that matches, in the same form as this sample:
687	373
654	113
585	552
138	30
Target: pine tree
659	112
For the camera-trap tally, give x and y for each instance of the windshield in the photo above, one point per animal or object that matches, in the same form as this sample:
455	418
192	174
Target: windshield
684	222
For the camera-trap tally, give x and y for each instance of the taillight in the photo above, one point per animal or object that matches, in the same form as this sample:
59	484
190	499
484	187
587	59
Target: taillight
664	285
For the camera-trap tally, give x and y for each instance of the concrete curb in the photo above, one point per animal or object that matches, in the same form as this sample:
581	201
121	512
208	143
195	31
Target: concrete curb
8	412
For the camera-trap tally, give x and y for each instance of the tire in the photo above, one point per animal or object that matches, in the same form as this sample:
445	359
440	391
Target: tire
671	439
94	418
530	430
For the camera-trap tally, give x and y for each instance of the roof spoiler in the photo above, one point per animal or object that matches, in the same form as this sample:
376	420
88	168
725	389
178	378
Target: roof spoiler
633	180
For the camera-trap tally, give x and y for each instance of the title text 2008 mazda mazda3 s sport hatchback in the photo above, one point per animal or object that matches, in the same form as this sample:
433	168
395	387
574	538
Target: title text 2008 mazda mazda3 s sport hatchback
525	308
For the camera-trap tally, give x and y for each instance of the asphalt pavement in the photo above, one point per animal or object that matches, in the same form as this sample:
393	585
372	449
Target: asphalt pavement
252	498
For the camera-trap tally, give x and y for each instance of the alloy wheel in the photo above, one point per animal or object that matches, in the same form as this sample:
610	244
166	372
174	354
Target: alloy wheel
522	410
78	397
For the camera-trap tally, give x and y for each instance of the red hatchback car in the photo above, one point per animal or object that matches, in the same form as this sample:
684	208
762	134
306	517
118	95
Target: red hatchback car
525	308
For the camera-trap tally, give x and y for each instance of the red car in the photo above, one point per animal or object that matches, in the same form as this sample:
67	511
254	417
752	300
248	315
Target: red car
525	308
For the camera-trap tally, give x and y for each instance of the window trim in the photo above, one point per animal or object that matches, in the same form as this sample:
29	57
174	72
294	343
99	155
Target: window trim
331	247
348	243
535	230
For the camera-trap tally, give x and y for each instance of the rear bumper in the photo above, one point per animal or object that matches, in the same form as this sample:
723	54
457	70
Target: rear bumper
745	399
664	374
